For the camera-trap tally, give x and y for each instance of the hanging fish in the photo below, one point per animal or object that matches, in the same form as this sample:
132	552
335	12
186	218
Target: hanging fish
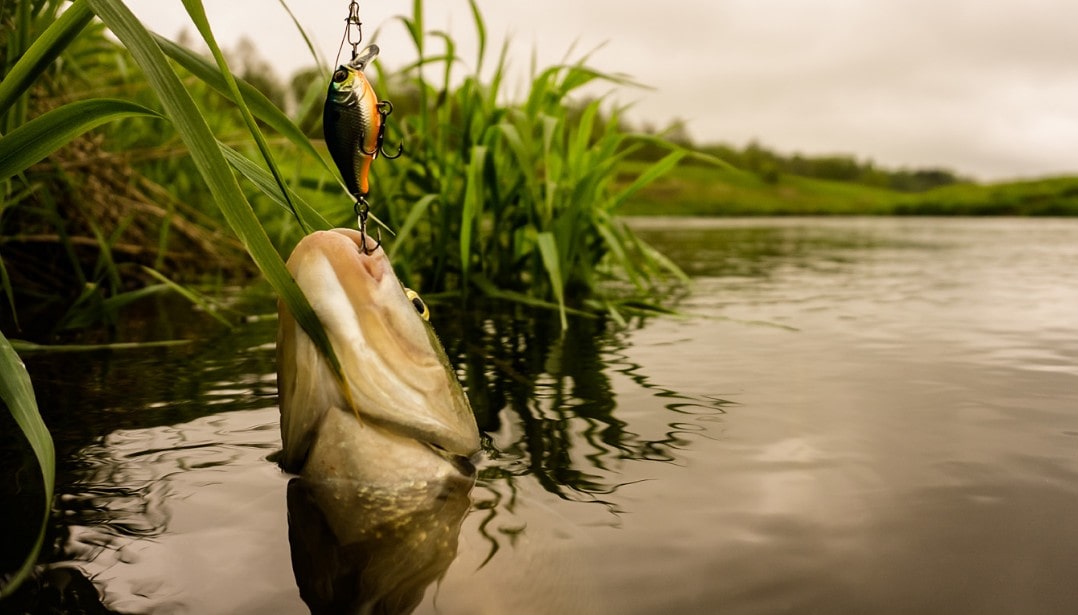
352	122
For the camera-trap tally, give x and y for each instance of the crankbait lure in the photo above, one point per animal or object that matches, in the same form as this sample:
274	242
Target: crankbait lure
352	122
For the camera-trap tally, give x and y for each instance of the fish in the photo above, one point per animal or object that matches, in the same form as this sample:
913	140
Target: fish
399	414
351	122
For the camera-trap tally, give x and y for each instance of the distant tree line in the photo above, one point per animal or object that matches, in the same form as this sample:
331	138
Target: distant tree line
770	165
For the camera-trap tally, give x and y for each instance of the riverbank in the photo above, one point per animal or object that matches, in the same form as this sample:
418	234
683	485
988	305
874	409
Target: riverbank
692	190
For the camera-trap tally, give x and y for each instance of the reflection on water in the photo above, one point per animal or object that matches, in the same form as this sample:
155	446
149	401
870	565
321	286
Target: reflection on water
520	371
158	512
870	415
549	408
362	550
152	513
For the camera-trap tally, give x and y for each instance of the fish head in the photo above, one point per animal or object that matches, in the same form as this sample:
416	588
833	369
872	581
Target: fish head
347	83
349	79
399	396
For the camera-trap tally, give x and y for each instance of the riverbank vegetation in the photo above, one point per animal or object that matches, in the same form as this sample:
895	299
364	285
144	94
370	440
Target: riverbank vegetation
509	199
761	182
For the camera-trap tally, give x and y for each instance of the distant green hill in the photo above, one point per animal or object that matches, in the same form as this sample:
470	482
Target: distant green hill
710	191
1057	196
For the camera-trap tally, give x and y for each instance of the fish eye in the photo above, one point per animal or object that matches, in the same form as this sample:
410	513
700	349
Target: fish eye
420	306
340	75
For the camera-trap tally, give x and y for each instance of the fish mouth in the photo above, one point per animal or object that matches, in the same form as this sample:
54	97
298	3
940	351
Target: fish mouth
396	377
367	313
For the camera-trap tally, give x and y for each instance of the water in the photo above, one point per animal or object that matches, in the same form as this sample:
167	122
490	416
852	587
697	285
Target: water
854	415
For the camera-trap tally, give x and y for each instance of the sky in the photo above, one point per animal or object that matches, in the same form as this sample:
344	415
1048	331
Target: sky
985	89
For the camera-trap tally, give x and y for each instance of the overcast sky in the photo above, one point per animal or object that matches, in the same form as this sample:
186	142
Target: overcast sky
985	88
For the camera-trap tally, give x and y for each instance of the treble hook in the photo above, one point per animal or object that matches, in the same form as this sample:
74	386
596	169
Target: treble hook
384	109
363	210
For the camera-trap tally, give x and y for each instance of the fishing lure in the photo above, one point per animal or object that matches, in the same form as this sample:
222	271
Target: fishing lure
352	122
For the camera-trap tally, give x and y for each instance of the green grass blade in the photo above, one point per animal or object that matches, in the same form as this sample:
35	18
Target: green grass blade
105	266
42	52
195	298
265	182
30	347
654	172
43	135
16	45
5	285
120	300
660	259
213	167
414	216
90	309
523	157
583	134
416	27
198	15
18	394
481	35
491	290
262	107
317	57
473	204
548	249
606	228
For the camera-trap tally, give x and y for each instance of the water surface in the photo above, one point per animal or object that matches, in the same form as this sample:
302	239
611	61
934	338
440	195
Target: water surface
853	415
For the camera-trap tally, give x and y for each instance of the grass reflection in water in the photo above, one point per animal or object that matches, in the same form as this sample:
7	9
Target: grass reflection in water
548	408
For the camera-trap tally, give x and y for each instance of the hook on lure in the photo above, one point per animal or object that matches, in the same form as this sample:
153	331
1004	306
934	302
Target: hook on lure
384	109
359	62
363	210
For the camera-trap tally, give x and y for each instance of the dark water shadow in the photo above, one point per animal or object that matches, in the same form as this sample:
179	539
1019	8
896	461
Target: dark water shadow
85	396
57	590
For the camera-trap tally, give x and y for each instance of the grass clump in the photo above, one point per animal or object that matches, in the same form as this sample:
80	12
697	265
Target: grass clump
516	200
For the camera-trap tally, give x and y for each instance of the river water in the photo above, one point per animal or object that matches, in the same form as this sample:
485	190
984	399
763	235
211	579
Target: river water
850	415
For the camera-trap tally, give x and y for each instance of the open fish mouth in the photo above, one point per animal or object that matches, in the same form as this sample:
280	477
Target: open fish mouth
399	392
